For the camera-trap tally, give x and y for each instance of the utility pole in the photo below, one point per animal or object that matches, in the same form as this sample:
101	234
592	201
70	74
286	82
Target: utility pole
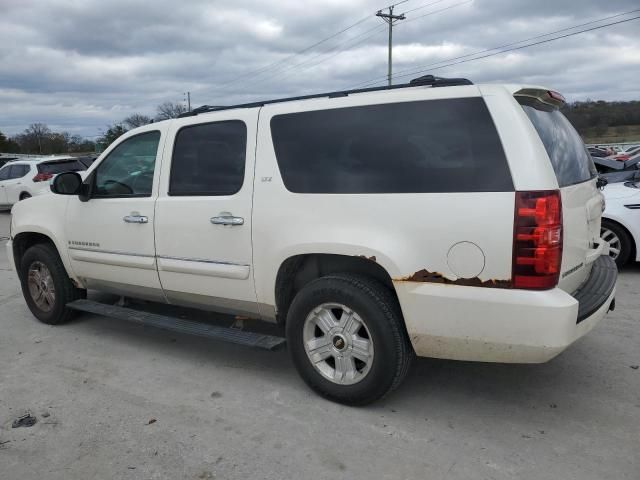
188	94
391	20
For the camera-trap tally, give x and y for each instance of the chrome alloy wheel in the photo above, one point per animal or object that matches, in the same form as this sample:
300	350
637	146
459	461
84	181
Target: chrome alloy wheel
338	343
614	242
41	287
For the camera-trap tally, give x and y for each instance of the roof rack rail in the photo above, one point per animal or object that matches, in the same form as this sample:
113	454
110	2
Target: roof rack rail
426	80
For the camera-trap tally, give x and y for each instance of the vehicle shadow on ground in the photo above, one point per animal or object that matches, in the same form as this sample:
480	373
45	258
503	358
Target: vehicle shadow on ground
501	388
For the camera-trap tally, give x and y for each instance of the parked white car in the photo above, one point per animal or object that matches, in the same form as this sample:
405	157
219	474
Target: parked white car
22	179
621	221
438	218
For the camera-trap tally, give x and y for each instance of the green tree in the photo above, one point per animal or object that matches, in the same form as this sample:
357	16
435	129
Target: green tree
113	132
8	145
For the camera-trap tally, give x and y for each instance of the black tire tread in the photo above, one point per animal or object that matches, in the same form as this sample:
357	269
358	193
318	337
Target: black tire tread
65	290
386	303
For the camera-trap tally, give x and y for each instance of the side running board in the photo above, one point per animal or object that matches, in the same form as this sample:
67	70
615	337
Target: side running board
179	325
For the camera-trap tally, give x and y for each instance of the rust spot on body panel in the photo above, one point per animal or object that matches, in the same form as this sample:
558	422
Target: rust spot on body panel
425	276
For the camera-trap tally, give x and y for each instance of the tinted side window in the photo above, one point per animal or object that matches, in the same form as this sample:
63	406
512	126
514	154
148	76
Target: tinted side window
414	147
59	167
18	171
209	159
4	173
128	170
569	157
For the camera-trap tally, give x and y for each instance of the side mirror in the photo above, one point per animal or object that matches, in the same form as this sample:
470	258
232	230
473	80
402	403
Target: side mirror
68	183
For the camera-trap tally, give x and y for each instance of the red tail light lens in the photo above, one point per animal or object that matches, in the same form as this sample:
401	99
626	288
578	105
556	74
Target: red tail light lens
537	240
43	177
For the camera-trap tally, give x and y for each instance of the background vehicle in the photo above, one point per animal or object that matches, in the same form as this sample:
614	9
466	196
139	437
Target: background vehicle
22	179
5	160
438	218
621	220
599	152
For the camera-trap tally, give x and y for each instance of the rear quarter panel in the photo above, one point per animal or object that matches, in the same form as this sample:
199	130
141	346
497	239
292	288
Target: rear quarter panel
404	233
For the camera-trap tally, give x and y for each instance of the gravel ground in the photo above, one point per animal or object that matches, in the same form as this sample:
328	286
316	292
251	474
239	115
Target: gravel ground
114	400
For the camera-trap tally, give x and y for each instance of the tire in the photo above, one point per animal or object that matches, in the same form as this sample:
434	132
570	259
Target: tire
49	272
373	330
620	241
24	196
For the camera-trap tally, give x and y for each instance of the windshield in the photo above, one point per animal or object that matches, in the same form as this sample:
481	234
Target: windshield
569	157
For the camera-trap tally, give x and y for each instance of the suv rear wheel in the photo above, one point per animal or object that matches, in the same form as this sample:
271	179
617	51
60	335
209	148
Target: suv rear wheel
347	339
46	286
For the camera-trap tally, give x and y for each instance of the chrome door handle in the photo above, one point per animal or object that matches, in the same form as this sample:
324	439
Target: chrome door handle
226	218
136	219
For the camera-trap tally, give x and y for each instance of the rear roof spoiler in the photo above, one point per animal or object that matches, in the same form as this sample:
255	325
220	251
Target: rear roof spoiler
548	97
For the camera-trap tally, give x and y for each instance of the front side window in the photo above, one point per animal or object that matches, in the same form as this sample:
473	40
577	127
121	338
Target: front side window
19	171
414	147
129	168
209	159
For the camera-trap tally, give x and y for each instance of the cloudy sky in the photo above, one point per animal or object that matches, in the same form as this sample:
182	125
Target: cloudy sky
79	65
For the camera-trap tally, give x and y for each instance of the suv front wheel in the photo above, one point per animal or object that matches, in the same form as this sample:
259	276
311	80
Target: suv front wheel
347	339
46	286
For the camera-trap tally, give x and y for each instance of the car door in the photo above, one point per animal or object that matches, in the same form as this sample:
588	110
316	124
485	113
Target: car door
4	176
110	236
203	213
14	184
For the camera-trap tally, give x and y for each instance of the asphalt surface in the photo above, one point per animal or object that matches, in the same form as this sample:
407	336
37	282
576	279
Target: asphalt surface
113	400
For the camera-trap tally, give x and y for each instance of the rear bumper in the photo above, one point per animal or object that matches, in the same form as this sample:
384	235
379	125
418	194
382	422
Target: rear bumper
502	325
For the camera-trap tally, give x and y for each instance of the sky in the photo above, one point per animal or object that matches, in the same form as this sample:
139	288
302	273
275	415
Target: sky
81	65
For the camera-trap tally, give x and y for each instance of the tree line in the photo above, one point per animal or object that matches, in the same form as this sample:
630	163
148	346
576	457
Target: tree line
600	115
585	116
39	139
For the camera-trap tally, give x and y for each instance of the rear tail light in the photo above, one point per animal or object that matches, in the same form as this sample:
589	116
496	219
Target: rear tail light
537	240
43	177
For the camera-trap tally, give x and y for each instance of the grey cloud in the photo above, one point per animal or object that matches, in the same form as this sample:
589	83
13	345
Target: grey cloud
81	65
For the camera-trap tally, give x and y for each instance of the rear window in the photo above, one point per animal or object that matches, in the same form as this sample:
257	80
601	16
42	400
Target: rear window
569	157
60	167
414	147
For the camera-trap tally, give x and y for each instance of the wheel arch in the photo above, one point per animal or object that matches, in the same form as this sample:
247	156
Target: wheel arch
298	270
24	240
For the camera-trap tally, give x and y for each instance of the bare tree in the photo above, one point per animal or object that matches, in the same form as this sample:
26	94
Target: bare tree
38	133
170	110
137	120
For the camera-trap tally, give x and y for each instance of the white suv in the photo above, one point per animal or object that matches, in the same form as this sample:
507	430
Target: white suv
438	218
22	179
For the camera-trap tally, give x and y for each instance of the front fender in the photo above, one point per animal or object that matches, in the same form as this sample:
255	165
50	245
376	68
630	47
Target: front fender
44	215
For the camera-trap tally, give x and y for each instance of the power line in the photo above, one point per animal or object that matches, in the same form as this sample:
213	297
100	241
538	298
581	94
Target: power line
288	70
375	31
280	63
413	71
420	7
437	11
528	45
379	29
295	54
